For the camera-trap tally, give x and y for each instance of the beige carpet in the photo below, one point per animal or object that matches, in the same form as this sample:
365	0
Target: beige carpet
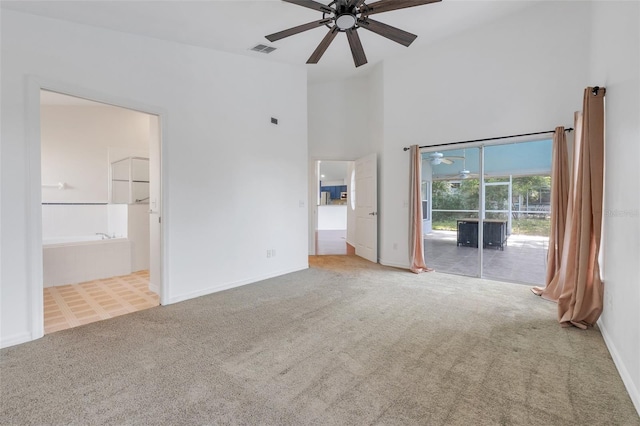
345	342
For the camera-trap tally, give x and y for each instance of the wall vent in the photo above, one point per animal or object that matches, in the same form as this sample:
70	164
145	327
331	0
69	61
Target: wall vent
263	49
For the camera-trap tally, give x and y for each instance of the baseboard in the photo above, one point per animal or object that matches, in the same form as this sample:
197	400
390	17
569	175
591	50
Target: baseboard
633	391
234	284
154	288
16	339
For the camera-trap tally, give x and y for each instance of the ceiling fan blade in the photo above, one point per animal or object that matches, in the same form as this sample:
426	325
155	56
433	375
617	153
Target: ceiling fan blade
295	30
322	47
357	51
311	5
446	161
356	3
392	33
388	5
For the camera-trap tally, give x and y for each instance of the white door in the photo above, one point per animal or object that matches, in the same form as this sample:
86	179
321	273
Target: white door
366	195
155	207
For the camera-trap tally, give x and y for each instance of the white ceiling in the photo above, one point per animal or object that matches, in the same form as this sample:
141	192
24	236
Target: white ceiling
238	25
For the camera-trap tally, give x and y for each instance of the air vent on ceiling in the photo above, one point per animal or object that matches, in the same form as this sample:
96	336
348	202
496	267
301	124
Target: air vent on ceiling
263	49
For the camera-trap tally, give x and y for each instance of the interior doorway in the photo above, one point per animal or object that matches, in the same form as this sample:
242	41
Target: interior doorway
100	173
332	233
356	192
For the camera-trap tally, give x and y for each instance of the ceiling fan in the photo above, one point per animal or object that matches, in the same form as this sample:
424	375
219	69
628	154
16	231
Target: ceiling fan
464	173
348	16
438	158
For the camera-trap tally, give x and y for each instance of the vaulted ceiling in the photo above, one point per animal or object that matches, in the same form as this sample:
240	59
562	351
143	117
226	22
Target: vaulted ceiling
236	26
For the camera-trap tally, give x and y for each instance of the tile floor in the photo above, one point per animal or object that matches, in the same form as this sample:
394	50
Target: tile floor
524	259
73	305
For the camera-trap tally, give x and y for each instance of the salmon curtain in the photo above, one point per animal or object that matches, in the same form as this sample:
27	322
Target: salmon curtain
576	285
416	242
559	208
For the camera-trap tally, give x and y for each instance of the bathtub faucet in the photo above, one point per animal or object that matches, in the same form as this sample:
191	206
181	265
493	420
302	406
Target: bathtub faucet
105	236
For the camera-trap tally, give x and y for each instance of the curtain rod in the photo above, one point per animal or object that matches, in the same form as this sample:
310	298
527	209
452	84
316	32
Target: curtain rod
489	139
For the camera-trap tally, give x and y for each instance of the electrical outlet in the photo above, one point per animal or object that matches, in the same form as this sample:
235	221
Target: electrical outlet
395	246
268	253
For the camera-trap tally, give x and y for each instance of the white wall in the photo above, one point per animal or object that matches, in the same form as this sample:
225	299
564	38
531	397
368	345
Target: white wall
76	145
345	123
522	73
117	220
138	234
333	182
339	120
78	220
340	128
219	214
332	217
615	64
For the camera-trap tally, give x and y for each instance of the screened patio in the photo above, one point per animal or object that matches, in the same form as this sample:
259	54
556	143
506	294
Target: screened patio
514	196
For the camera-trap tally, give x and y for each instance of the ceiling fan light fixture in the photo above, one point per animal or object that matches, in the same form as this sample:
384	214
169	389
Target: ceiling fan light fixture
436	158
346	21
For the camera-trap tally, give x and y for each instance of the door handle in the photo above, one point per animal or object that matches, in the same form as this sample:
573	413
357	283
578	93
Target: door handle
373	214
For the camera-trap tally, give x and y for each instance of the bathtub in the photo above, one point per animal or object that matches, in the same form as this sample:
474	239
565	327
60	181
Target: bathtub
66	240
72	260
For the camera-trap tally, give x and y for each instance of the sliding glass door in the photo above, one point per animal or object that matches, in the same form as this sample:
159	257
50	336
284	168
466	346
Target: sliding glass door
518	182
496	225
451	245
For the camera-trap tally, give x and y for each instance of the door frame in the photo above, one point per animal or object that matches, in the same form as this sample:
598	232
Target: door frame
34	84
314	179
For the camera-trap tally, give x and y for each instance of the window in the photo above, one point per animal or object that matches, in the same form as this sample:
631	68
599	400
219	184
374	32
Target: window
426	194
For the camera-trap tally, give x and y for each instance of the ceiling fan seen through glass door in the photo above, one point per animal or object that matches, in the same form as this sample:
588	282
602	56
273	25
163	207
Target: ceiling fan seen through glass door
347	16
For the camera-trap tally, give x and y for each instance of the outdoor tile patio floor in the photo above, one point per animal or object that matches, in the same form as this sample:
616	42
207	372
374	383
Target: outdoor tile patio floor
523	260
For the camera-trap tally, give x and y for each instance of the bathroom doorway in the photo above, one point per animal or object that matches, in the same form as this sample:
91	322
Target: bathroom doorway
101	204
